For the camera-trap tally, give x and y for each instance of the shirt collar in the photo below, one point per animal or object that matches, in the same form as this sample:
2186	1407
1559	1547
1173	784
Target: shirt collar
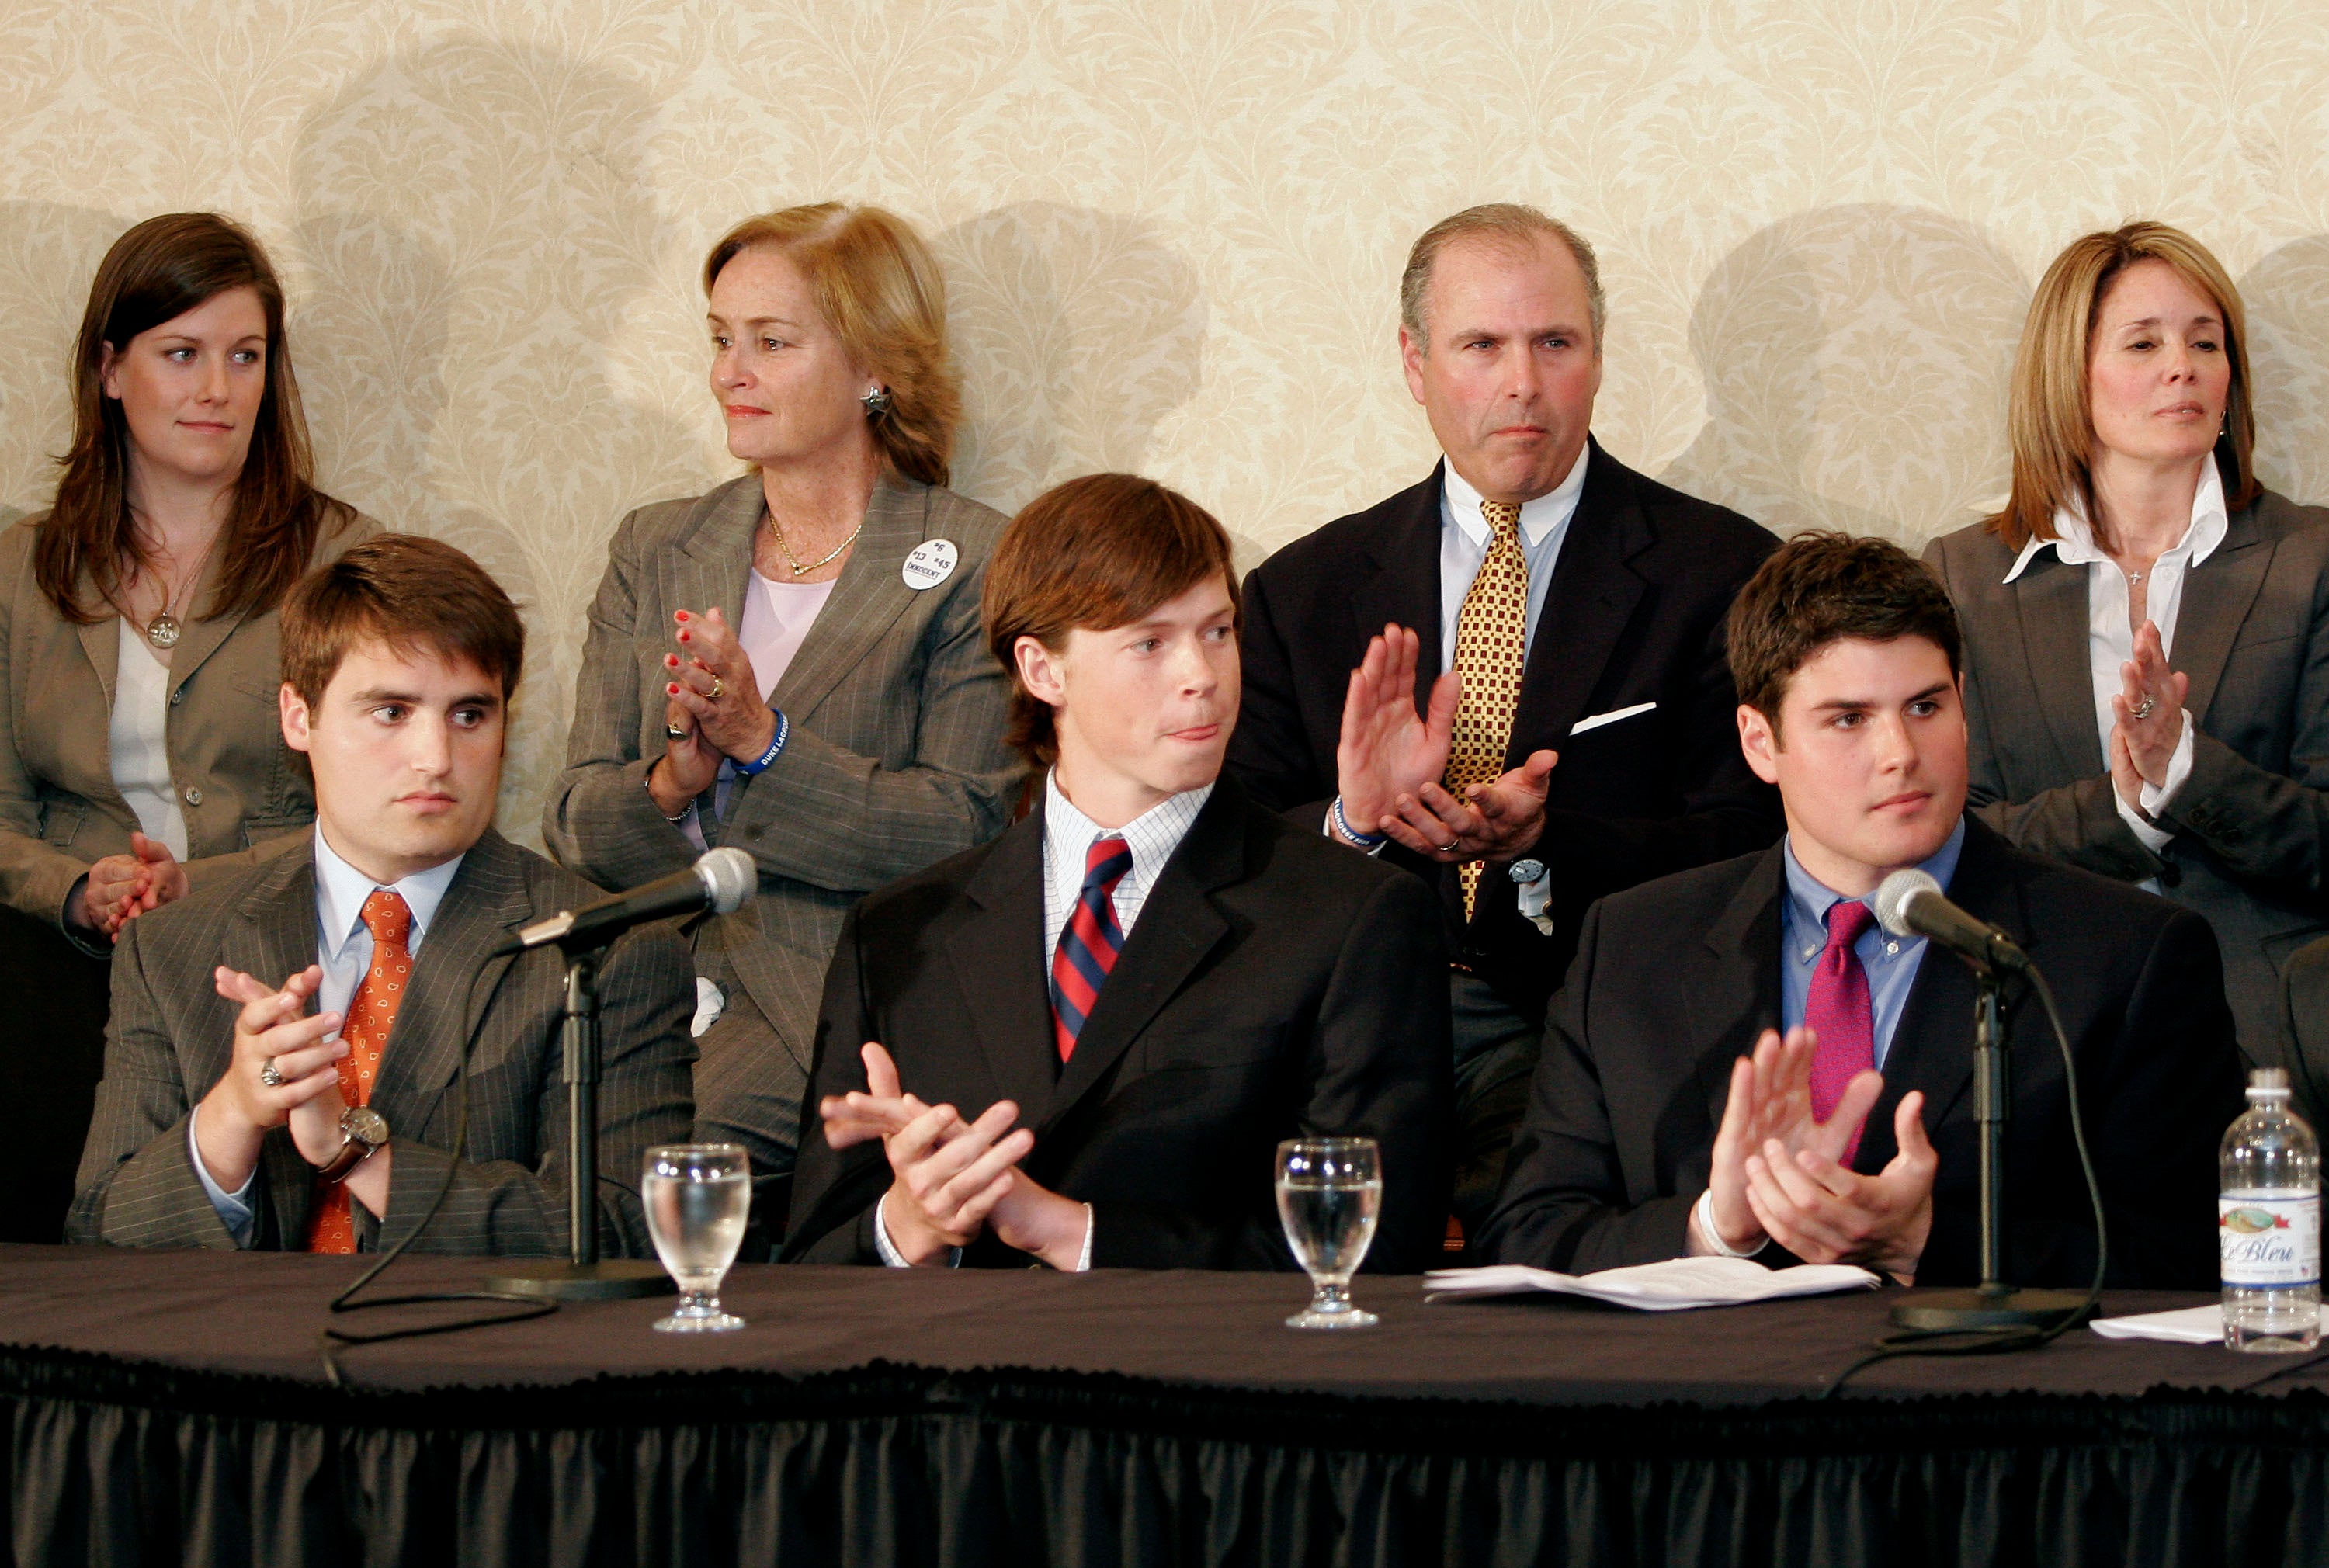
341	890
2076	545
1162	825
1538	518
1809	898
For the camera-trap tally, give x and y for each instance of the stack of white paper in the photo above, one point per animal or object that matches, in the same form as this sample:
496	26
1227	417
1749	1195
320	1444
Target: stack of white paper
1665	1287
2185	1326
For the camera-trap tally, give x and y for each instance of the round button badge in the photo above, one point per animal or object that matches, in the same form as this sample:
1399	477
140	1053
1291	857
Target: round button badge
930	563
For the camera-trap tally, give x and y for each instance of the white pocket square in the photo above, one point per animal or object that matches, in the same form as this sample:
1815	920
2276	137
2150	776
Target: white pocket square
1615	714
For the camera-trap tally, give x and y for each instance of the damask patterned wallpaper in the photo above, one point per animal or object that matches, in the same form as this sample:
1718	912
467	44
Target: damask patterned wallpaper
1173	230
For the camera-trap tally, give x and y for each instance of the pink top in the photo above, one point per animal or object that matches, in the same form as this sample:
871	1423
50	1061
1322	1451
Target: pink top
775	622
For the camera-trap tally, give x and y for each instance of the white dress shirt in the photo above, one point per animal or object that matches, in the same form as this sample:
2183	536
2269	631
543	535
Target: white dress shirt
1154	837
2110	637
343	947
1464	540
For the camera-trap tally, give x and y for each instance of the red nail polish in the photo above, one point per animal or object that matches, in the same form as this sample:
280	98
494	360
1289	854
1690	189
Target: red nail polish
679	614
673	688
682	636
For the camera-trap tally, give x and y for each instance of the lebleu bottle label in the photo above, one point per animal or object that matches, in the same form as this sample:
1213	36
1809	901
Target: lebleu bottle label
2270	1242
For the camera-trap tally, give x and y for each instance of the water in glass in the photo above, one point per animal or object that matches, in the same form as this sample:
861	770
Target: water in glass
1329	1192
698	1197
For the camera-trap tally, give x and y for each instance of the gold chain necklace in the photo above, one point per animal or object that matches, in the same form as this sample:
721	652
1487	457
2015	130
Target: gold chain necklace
787	550
164	630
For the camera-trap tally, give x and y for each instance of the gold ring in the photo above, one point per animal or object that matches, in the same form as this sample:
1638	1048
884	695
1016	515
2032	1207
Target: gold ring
717	688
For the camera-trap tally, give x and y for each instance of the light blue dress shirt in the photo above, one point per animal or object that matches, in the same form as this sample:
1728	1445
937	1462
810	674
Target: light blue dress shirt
343	948
1463	540
1891	962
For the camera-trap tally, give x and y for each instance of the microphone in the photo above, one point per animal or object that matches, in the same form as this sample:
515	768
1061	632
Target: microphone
721	880
1910	904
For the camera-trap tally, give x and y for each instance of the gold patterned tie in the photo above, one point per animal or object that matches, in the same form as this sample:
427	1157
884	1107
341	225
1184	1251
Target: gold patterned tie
1491	650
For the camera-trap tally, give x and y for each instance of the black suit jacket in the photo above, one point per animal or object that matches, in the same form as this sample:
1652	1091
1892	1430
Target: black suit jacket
1275	986
1634	615
1674	980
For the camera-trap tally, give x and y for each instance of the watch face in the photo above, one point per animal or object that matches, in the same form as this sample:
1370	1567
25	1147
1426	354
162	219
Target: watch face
365	1125
1527	870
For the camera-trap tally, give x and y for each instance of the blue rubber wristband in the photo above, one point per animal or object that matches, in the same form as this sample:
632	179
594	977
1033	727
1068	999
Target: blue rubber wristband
1363	841
776	747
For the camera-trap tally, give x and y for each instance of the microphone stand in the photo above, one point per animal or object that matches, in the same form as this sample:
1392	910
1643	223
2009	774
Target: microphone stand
583	1276
1994	1304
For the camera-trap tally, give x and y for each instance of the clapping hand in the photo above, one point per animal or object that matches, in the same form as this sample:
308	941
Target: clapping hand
1387	749
2149	710
271	1030
1770	1103
1495	822
120	888
711	676
952	1178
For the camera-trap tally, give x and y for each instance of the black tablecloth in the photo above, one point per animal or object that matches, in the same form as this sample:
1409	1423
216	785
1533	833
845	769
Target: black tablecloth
870	1416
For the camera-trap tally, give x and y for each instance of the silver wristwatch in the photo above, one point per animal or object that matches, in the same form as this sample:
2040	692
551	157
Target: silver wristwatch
362	1129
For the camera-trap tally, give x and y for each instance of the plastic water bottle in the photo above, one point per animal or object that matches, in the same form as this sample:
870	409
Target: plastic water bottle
2268	1223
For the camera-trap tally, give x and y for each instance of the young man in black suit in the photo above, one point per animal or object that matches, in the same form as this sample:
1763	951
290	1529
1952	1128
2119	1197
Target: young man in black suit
1669	1115
1581	606
1138	991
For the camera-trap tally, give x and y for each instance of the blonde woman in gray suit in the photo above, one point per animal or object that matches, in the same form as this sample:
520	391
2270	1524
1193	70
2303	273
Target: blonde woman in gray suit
792	663
2146	627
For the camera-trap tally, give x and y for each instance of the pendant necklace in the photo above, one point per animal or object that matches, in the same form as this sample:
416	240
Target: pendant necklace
164	630
787	550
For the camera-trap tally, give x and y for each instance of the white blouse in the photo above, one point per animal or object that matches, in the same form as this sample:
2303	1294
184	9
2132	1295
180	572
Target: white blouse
141	756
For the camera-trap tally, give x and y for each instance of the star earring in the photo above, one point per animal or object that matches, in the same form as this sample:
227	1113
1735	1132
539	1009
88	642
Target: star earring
876	401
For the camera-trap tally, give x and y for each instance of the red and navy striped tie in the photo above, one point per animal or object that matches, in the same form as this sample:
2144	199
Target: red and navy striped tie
1088	942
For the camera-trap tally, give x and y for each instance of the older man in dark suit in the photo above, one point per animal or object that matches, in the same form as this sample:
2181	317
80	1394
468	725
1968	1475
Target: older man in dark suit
1093	1033
229	1115
1576	605
1671	1115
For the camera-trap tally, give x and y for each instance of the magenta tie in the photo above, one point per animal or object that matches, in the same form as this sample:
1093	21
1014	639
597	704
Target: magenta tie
1839	1013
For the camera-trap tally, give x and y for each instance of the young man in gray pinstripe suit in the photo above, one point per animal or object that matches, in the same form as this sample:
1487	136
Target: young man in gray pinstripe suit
231	1115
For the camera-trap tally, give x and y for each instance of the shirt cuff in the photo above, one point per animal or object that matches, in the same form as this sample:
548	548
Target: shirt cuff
891	1256
1083	1258
233	1208
2157	798
1705	1241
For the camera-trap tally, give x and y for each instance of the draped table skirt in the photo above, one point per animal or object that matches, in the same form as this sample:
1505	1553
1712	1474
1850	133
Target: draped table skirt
173	1408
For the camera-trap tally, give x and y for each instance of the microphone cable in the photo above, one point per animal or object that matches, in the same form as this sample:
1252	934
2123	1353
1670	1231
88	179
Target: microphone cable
334	1340
2019	1336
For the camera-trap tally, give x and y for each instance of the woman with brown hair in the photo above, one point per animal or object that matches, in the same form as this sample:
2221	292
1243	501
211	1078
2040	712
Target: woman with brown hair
792	663
2146	627
141	755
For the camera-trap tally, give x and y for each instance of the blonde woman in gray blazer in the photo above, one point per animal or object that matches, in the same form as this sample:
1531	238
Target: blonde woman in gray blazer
793	664
2146	627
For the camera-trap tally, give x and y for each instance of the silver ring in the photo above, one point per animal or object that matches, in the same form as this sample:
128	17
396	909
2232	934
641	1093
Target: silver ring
1451	846
676	731
2143	708
268	1075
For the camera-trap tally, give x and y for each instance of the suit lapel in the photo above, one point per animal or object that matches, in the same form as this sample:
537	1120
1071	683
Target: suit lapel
1742	946
1592	596
1404	587
998	963
486	900
868	598
1178	926
712	565
1932	1044
2208	620
2050	600
101	641
203	638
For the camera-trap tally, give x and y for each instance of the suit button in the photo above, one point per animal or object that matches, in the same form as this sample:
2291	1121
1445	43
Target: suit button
194	795
177	696
753	832
2170	875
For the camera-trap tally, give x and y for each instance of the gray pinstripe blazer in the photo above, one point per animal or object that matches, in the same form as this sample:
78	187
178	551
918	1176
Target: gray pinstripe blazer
171	1037
897	757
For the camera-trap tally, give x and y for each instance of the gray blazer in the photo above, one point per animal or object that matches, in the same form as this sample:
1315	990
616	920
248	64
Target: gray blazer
896	759
172	1035
2252	824
59	809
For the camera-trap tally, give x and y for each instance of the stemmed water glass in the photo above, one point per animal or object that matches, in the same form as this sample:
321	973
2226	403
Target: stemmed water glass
1329	1191
698	1197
